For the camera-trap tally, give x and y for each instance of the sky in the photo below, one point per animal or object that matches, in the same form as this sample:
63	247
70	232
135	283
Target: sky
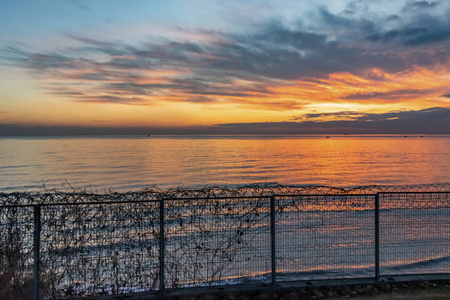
247	66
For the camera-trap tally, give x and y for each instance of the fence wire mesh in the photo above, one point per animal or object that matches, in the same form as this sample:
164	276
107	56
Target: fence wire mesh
16	252
111	244
325	237
217	241
95	249
414	233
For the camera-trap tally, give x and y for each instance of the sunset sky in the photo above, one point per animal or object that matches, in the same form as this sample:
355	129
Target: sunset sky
337	66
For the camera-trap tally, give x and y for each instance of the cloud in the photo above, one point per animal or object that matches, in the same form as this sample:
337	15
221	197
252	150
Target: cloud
436	113
423	117
432	120
418	5
422	30
446	95
390	95
112	100
341	114
79	5
270	104
230	67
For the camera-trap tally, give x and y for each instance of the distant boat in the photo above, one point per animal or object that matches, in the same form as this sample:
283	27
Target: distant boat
328	137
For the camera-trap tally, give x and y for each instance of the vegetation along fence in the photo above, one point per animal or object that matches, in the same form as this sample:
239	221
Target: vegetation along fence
57	245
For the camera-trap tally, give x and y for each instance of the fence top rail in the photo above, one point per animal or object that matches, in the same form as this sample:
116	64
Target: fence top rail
79	203
423	192
369	195
133	201
327	195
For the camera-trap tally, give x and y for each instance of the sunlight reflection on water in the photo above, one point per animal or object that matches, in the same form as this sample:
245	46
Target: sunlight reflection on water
132	163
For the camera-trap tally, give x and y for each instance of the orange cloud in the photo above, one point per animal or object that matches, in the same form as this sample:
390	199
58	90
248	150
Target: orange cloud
414	87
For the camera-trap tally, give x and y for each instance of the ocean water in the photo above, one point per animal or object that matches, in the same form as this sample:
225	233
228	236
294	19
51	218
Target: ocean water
130	163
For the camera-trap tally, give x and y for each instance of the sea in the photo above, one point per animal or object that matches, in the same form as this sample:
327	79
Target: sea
132	163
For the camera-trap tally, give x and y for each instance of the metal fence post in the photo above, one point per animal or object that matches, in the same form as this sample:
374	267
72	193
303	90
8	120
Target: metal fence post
377	237
36	248
272	239
161	245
